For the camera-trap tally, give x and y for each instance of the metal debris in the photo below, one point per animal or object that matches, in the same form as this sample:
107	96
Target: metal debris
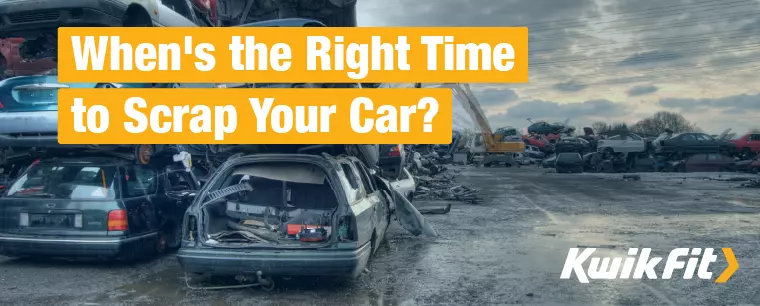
435	210
444	187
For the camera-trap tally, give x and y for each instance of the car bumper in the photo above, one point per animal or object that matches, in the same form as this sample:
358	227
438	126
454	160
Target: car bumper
28	15
17	245
23	129
330	262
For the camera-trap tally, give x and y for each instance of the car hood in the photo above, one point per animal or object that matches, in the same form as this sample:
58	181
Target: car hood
38	92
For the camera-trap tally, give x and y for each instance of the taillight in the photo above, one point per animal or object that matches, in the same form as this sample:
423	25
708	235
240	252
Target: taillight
117	220
395	151
1	105
346	230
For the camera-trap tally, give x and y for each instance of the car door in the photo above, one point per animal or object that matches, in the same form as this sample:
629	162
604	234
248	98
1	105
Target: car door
382	210
141	186
179	191
695	163
362	207
707	144
689	142
636	143
753	141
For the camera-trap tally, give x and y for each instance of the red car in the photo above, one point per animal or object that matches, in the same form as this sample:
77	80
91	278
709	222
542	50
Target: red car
748	144
11	64
712	162
538	141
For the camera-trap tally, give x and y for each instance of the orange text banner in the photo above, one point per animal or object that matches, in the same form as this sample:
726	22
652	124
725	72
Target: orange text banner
288	55
255	116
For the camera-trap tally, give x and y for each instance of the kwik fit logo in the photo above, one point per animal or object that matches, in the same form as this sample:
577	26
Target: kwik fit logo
692	262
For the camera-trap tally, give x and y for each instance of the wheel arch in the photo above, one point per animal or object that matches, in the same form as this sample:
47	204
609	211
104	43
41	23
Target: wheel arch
136	15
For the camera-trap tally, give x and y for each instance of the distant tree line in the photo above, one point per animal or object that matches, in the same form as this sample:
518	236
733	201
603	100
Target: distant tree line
650	126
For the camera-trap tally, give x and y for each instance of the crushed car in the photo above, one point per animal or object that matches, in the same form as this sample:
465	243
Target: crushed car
267	215
98	207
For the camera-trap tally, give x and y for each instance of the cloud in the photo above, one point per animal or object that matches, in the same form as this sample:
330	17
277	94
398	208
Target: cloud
570	86
495	96
585	50
649	57
737	104
642	90
579	113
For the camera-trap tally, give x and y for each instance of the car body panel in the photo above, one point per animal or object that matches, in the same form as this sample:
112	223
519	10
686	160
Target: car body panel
14	65
622	143
748	143
712	162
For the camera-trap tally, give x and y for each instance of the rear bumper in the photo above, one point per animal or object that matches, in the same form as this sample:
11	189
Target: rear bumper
30	15
16	245
29	129
275	262
389	161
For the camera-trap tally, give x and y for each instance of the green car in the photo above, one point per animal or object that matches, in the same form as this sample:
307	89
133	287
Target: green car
103	208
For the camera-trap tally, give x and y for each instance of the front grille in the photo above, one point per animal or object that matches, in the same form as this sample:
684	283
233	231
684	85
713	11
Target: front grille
34	17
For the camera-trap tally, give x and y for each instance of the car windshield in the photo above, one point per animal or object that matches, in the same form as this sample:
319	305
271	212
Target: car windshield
569	157
62	181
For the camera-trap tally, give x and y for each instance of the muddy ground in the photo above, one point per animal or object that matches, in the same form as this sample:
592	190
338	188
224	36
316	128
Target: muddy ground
510	249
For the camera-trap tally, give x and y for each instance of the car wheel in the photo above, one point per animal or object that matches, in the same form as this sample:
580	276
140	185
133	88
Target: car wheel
161	243
373	244
136	16
144	153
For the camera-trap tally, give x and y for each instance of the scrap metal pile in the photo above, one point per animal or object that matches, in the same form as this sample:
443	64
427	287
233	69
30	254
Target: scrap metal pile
436	182
444	187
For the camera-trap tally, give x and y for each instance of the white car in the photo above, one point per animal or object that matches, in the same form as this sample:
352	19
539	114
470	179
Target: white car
623	143
534	152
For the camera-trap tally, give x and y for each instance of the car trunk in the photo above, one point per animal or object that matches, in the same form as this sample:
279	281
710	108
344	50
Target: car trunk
60	200
280	205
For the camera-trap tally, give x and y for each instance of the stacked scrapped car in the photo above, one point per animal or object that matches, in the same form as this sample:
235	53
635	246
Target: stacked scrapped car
29	103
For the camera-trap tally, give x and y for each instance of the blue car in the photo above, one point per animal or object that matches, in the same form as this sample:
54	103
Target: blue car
29	118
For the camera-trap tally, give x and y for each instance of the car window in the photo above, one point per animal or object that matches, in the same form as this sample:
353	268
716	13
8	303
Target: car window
703	137
61	181
178	180
181	7
140	180
616	137
634	137
368	183
755	137
688	137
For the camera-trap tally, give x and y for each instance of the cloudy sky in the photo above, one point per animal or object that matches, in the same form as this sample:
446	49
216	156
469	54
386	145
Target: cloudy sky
611	60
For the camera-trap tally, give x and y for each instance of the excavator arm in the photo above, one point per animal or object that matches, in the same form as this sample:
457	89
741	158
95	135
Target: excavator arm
465	96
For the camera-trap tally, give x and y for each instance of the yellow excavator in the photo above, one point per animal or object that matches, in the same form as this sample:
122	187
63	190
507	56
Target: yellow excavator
489	148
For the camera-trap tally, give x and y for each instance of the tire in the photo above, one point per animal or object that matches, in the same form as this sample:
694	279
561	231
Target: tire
373	244
136	16
173	235
144	153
